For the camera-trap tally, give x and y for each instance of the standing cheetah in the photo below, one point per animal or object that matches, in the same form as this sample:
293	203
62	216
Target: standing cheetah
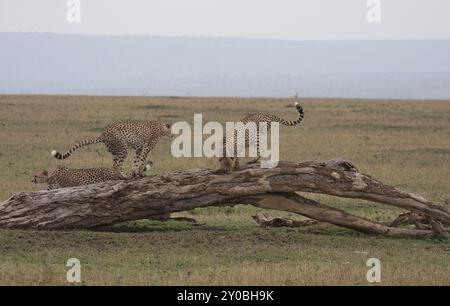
230	159
119	137
64	177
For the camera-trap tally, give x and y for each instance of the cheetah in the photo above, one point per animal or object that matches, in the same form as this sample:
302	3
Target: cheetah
64	177
119	137
227	164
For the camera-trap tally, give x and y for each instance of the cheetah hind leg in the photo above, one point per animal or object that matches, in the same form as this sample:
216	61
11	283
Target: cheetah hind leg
254	161
118	160
135	171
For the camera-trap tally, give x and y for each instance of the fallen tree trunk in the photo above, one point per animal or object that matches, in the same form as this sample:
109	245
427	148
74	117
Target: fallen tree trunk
157	196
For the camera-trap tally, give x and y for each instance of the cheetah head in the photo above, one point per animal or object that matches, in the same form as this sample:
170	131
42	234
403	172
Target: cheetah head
167	130
40	177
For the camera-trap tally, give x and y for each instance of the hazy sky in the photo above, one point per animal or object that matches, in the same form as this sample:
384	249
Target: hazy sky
279	19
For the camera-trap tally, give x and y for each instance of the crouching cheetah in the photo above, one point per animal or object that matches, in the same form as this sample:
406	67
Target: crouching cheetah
119	137
230	160
65	177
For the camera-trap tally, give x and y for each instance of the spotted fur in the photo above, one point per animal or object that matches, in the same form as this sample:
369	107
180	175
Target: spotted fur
230	160
65	177
119	137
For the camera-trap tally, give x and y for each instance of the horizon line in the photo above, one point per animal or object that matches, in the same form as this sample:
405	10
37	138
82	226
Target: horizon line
224	37
221	97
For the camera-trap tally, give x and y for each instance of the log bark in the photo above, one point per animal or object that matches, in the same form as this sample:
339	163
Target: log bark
157	196
410	218
264	221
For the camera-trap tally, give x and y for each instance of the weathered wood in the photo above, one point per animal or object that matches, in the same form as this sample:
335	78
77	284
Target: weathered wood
264	221
410	218
314	210
155	197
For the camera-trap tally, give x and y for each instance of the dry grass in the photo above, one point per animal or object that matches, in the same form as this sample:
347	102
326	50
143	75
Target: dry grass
404	143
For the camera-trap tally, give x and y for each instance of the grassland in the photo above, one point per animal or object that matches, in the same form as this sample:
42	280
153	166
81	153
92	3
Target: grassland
403	143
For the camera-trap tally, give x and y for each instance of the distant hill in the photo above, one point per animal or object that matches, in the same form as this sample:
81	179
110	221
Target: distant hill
146	65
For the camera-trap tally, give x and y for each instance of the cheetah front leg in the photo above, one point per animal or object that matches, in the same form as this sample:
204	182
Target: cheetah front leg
139	161
53	186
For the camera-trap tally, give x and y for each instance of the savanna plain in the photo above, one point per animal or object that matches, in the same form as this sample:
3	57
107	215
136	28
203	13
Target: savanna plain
402	143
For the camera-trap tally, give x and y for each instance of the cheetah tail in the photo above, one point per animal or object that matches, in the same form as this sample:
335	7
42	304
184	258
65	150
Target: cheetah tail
78	145
300	117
